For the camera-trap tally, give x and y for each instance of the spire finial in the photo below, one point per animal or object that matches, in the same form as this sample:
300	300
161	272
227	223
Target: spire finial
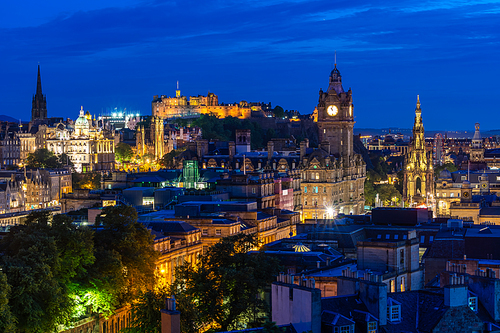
335	58
418	101
177	84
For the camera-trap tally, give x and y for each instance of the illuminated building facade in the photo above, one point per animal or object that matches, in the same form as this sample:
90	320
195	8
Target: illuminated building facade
181	106
419	173
333	175
88	146
150	138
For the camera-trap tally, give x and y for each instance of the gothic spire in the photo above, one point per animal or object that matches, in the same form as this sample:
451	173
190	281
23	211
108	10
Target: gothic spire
39	104
39	83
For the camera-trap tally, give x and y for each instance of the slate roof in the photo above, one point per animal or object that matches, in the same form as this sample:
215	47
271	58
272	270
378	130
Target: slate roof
420	311
149	179
169	226
447	248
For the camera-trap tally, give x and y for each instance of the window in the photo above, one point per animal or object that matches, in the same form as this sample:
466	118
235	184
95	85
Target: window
218	232
324	189
204	232
403	284
395	236
379	236
473	303
253	190
464	177
422	239
452	195
392	286
393	312
387	236
290	294
315	189
402	257
305	189
345	329
431	238
372	327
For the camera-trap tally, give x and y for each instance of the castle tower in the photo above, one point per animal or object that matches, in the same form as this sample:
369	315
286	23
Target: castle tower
39	104
419	177
477	149
335	117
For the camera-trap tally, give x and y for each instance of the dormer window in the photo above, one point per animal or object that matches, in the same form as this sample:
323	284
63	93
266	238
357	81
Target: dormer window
393	310
372	327
472	301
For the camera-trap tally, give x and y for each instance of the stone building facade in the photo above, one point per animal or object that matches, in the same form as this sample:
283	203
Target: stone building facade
150	138
333	175
181	106
88	146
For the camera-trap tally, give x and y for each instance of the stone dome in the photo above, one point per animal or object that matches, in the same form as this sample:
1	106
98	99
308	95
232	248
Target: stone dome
445	174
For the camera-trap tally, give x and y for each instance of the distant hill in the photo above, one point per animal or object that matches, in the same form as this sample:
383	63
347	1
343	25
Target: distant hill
8	118
428	133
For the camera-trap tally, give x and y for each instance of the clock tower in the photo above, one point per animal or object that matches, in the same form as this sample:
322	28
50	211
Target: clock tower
335	117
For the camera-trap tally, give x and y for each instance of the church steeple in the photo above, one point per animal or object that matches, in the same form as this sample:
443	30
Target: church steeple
39	83
39	103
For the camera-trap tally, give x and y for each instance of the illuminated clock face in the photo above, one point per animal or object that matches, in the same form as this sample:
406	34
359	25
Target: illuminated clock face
484	185
466	194
333	110
350	110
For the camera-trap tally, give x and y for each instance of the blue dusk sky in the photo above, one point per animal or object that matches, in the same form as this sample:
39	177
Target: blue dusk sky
120	53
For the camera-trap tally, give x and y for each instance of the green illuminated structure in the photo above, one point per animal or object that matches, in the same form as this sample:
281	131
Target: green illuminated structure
190	174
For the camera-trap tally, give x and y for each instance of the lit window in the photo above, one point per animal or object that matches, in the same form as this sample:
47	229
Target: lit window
473	303
372	327
204	232
431	238
392	286
218	232
305	189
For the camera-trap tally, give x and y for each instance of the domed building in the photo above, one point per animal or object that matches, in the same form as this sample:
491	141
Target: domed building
82	125
89	147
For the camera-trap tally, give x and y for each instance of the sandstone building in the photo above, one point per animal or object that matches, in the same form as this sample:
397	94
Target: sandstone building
333	175
181	106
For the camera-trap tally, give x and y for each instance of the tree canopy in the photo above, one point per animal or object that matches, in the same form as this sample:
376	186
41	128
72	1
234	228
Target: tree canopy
224	289
54	272
224	129
123	152
42	158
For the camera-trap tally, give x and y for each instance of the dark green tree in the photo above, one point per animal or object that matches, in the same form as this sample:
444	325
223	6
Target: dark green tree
278	112
146	315
44	261
123	152
168	159
7	319
224	289
124	253
87	181
43	158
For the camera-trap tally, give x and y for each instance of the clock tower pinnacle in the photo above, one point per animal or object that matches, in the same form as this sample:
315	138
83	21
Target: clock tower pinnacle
335	116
